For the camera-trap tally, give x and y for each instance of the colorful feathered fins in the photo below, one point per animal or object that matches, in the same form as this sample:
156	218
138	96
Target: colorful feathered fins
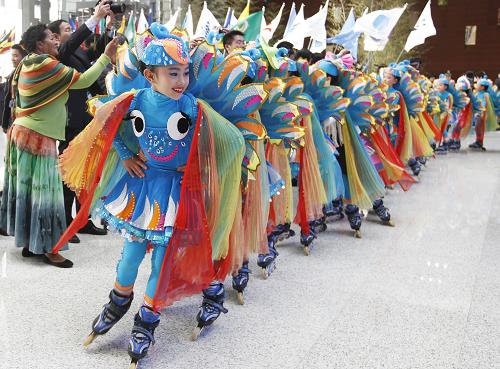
363	181
218	81
208	197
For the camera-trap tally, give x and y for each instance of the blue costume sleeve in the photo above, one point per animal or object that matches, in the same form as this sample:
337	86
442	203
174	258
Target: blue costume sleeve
189	106
123	151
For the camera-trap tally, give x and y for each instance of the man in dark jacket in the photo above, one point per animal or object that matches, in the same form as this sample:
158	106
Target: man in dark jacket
17	54
73	55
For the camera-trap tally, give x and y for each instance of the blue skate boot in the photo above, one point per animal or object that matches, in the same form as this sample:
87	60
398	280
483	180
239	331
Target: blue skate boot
268	261
414	166
306	241
355	218
240	281
382	212
211	307
333	211
282	232
145	323
443	148
113	311
422	160
318	225
454	145
338	209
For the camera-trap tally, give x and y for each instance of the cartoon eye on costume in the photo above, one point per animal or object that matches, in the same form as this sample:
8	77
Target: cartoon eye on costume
178	125
137	122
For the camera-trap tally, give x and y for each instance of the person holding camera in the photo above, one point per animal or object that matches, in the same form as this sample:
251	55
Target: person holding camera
32	207
73	55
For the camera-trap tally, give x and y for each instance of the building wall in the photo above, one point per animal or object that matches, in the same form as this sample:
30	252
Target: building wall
447	50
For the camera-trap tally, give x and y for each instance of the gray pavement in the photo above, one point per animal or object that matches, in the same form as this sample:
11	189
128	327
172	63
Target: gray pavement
425	294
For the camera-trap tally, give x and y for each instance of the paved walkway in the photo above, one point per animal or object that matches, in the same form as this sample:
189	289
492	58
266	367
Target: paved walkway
425	294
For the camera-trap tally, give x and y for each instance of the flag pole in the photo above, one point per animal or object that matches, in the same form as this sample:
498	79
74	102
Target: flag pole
399	56
365	68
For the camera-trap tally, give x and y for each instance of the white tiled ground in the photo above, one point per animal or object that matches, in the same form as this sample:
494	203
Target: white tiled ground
425	294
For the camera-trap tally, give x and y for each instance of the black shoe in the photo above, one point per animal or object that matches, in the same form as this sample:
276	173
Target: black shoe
74	239
26	253
63	264
477	145
90	228
3	233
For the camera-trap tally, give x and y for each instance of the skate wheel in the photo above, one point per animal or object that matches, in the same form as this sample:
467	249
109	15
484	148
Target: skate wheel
90	338
390	223
265	274
196	333
307	251
133	364
241	299
357	233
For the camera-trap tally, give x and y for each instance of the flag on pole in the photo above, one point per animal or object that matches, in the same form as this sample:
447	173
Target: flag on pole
377	26
121	30
206	23
101	27
150	15
268	31
347	37
250	26
172	22
263	23
187	24
227	20
130	30
72	24
423	28
245	13
295	34
142	23
291	19
315	27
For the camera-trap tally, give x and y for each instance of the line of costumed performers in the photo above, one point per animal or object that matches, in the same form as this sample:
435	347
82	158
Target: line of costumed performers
224	139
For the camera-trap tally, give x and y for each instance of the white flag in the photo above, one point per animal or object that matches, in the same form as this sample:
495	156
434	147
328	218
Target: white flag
142	23
206	23
316	28
423	28
268	31
291	18
372	44
187	24
377	27
172	22
295	34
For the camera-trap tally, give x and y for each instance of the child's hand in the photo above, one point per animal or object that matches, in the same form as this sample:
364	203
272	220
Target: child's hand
135	167
141	156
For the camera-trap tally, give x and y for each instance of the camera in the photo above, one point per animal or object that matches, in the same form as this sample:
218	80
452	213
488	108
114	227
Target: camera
117	8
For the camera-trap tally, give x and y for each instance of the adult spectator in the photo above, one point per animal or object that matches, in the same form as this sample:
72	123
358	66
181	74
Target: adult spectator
17	54
233	40
32	207
73	55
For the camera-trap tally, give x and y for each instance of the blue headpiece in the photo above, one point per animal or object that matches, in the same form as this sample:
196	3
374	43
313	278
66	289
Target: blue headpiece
395	70
254	55
444	80
165	49
484	82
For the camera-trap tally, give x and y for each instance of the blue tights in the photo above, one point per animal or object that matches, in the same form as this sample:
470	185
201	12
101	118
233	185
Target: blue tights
132	256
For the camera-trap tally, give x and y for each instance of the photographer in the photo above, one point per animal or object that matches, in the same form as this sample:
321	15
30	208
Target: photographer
72	55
